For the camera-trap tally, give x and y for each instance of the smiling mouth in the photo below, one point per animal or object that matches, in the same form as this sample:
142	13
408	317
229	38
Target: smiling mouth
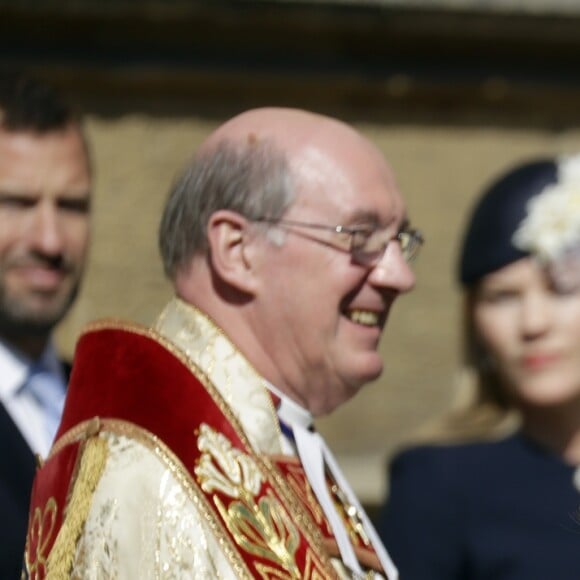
364	317
539	361
42	277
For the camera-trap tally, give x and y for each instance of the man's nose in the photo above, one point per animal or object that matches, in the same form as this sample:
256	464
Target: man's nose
47	235
393	271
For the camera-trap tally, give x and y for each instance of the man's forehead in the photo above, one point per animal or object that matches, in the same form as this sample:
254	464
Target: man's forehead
381	210
31	163
71	134
358	189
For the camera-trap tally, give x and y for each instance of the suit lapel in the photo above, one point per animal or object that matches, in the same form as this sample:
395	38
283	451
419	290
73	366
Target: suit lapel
17	467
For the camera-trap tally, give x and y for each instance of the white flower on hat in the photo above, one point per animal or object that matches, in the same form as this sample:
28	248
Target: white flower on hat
551	228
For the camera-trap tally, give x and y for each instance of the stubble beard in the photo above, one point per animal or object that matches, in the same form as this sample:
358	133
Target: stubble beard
20	317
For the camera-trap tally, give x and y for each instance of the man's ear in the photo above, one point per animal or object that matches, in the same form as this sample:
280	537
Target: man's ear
229	240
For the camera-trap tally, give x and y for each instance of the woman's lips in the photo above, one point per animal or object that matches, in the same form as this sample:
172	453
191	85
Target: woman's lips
539	361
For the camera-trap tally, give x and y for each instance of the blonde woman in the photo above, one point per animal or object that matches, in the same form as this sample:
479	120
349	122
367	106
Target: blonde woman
494	494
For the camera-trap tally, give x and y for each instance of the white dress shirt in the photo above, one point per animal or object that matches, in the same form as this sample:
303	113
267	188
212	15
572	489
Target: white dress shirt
21	405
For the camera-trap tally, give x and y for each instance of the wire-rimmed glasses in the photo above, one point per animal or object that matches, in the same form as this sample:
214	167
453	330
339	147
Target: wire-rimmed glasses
366	243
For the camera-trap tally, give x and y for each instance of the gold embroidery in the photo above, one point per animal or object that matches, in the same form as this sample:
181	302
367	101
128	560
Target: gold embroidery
260	526
303	517
310	571
175	467
41	530
348	512
300	485
322	566
306	524
210	349
93	461
224	468
201	340
350	516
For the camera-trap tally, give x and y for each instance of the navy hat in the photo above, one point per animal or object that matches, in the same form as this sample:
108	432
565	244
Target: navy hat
487	242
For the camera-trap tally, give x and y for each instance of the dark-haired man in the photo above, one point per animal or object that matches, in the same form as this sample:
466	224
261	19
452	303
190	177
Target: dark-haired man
45	183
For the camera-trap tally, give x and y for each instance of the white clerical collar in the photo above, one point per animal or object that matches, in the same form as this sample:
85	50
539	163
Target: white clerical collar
314	456
289	411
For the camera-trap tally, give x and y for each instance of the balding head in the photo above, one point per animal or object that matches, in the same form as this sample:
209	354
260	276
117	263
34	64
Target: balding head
253	164
291	130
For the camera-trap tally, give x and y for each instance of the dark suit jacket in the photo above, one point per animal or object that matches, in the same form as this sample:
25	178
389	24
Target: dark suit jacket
17	468
16	474
504	510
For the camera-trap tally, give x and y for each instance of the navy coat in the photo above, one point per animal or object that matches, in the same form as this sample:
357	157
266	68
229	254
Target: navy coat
505	510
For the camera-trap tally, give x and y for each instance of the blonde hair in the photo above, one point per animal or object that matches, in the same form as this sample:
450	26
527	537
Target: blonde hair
482	410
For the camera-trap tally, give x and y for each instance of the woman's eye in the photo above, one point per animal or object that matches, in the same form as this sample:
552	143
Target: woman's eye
498	296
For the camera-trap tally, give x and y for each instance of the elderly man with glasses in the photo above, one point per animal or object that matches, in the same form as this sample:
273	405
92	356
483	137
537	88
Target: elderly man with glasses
187	450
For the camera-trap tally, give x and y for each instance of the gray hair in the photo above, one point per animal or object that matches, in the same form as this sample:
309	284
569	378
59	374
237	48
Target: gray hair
251	179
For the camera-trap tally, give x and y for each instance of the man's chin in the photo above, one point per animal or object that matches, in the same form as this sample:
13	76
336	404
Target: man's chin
34	318
28	326
371	370
371	366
